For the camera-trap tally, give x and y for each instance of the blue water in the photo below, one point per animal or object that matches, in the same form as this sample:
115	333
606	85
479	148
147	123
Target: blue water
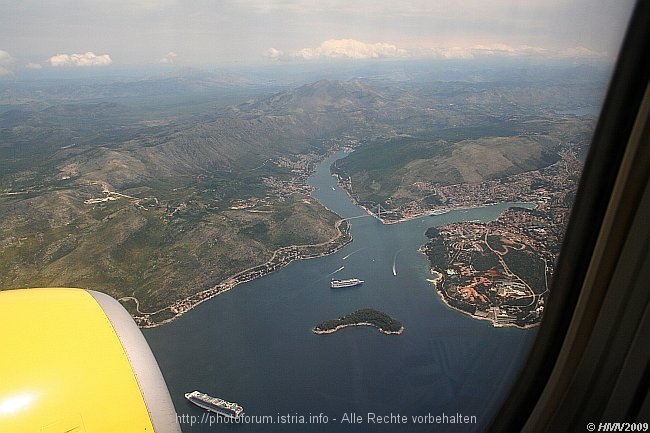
254	344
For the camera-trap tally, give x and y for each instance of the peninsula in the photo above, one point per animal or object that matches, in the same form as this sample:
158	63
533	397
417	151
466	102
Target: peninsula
501	270
363	317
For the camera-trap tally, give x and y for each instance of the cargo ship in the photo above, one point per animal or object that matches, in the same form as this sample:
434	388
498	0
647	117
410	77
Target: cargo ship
216	405
337	284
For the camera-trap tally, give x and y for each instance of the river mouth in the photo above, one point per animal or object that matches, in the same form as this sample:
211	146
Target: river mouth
254	344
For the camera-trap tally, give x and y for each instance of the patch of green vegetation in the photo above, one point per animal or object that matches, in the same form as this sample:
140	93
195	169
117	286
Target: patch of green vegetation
387	156
435	249
527	266
378	319
376	169
141	247
385	170
484	261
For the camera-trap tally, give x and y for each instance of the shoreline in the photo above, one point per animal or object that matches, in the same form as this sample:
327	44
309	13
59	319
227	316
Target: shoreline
278	260
289	254
440	211
427	213
436	282
437	279
292	253
494	323
339	327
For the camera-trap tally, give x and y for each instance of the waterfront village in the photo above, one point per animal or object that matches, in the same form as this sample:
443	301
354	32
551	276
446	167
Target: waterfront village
279	259
547	188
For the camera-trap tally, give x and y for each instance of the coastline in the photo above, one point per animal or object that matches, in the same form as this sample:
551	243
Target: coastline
439	211
435	282
279	259
339	327
437	279
494	323
283	257
424	213
362	317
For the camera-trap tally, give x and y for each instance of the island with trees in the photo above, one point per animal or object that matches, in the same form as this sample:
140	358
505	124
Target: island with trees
363	317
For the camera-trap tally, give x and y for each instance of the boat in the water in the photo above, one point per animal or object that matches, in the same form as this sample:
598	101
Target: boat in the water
216	405
350	282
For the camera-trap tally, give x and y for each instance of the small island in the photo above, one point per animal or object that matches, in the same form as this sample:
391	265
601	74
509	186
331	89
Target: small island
364	317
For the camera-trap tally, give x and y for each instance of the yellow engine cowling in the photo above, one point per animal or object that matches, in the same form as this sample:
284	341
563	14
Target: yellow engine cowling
73	360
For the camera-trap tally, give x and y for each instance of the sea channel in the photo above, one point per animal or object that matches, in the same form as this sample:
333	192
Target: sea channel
254	345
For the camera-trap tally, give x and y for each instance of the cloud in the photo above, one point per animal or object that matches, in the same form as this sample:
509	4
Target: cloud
5	58
80	60
581	52
6	63
169	58
33	66
343	49
478	51
273	53
354	49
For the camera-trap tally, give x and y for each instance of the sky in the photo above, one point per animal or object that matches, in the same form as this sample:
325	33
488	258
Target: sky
59	34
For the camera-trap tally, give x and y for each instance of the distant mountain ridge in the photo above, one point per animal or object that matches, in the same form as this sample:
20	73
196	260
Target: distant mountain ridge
289	122
161	199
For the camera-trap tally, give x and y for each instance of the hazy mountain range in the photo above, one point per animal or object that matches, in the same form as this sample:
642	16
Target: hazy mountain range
188	167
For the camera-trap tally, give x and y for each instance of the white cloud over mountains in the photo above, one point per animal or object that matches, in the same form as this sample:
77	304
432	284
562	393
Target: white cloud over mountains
354	49
80	60
274	53
581	52
169	58
226	32
6	61
503	50
342	49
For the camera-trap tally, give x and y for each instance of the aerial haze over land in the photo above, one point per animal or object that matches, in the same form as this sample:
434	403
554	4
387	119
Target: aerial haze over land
168	190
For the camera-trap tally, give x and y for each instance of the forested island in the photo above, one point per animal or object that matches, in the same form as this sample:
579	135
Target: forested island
363	317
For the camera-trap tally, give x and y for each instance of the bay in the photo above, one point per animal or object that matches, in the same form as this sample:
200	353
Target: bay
254	344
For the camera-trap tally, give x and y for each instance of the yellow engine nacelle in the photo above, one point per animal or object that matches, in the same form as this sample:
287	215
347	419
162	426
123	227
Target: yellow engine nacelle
73	361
